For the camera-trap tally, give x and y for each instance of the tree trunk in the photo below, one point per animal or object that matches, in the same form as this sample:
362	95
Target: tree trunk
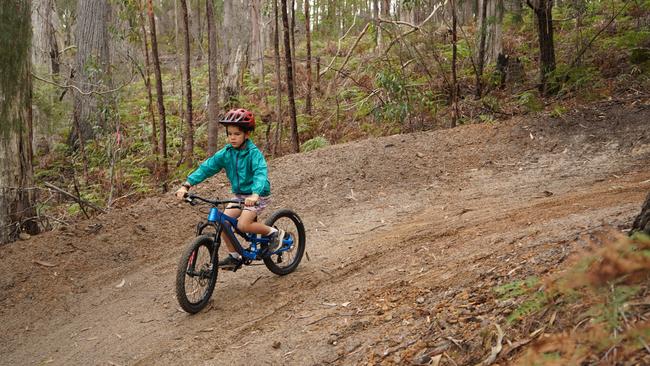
16	173
293	37
162	141
278	78
375	17
147	82
295	142
454	91
189	132
544	15
642	221
481	46
257	46
308	63
517	11
45	48
92	68
494	33
213	91
236	46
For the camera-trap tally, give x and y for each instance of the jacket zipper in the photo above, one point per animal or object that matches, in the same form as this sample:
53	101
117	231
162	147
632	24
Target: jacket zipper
237	170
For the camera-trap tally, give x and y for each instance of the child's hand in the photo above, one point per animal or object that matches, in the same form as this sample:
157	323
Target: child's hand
251	200
180	194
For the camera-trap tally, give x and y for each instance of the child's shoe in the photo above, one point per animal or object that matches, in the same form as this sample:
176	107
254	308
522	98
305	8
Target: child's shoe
276	240
229	263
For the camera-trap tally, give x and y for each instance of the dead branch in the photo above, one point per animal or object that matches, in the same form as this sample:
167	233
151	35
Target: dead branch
356	42
496	349
586	47
354	21
77	199
68	86
414	28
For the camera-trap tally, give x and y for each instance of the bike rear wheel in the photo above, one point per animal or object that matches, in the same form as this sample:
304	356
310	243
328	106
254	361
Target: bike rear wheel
286	261
196	274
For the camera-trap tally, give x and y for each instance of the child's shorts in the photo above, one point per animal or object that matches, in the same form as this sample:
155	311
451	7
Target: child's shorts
261	203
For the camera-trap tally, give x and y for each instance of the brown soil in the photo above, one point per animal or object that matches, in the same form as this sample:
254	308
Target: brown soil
407	237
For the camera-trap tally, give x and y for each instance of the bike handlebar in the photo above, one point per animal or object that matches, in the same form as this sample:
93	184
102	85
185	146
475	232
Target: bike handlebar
190	197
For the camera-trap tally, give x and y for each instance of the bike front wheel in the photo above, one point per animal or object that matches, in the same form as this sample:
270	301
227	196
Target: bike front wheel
286	259
196	274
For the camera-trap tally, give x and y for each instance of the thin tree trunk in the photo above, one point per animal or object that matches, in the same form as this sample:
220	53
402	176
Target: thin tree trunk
189	132
179	69
257	44
308	36
543	11
375	17
278	78
162	141
295	142
293	37
147	82
454	91
481	47
213	92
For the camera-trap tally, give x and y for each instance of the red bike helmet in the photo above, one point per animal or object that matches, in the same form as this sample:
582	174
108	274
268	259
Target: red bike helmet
239	117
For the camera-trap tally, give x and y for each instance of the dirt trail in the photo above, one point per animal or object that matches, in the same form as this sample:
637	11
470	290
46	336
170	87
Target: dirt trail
401	230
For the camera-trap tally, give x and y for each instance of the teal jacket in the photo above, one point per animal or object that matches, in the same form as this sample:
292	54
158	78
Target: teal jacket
246	169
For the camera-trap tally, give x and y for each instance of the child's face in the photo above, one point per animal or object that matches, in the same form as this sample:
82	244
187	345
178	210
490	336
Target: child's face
236	136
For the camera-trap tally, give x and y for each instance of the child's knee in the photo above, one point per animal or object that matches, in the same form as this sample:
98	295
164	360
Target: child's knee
243	225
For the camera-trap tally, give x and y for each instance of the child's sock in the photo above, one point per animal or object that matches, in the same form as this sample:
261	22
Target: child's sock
234	255
273	230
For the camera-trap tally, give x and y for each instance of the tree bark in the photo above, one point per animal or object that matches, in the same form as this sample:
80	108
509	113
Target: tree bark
375	17
278	78
308	63
295	141
544	16
147	82
92	66
188	150
213	82
45	48
454	91
642	221
235	48
481	47
17	209
257	45
162	141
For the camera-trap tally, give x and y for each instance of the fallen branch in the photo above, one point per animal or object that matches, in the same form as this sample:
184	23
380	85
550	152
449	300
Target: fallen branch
77	199
496	349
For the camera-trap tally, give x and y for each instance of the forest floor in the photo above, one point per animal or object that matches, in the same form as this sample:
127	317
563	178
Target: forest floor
403	233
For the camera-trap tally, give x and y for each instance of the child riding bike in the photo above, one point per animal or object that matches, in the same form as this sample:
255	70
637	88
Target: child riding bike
248	175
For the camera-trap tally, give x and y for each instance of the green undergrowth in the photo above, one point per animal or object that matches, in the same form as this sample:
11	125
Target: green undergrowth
373	93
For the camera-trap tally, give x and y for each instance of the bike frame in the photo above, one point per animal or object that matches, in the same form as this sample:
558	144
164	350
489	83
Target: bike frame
228	225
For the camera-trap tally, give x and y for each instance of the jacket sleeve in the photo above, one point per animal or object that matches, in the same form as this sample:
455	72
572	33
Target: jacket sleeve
260	172
208	168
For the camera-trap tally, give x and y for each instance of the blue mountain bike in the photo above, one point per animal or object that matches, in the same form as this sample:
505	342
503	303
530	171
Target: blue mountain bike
197	270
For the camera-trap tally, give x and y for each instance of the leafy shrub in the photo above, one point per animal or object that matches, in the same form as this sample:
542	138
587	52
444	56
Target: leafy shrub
314	143
531	101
